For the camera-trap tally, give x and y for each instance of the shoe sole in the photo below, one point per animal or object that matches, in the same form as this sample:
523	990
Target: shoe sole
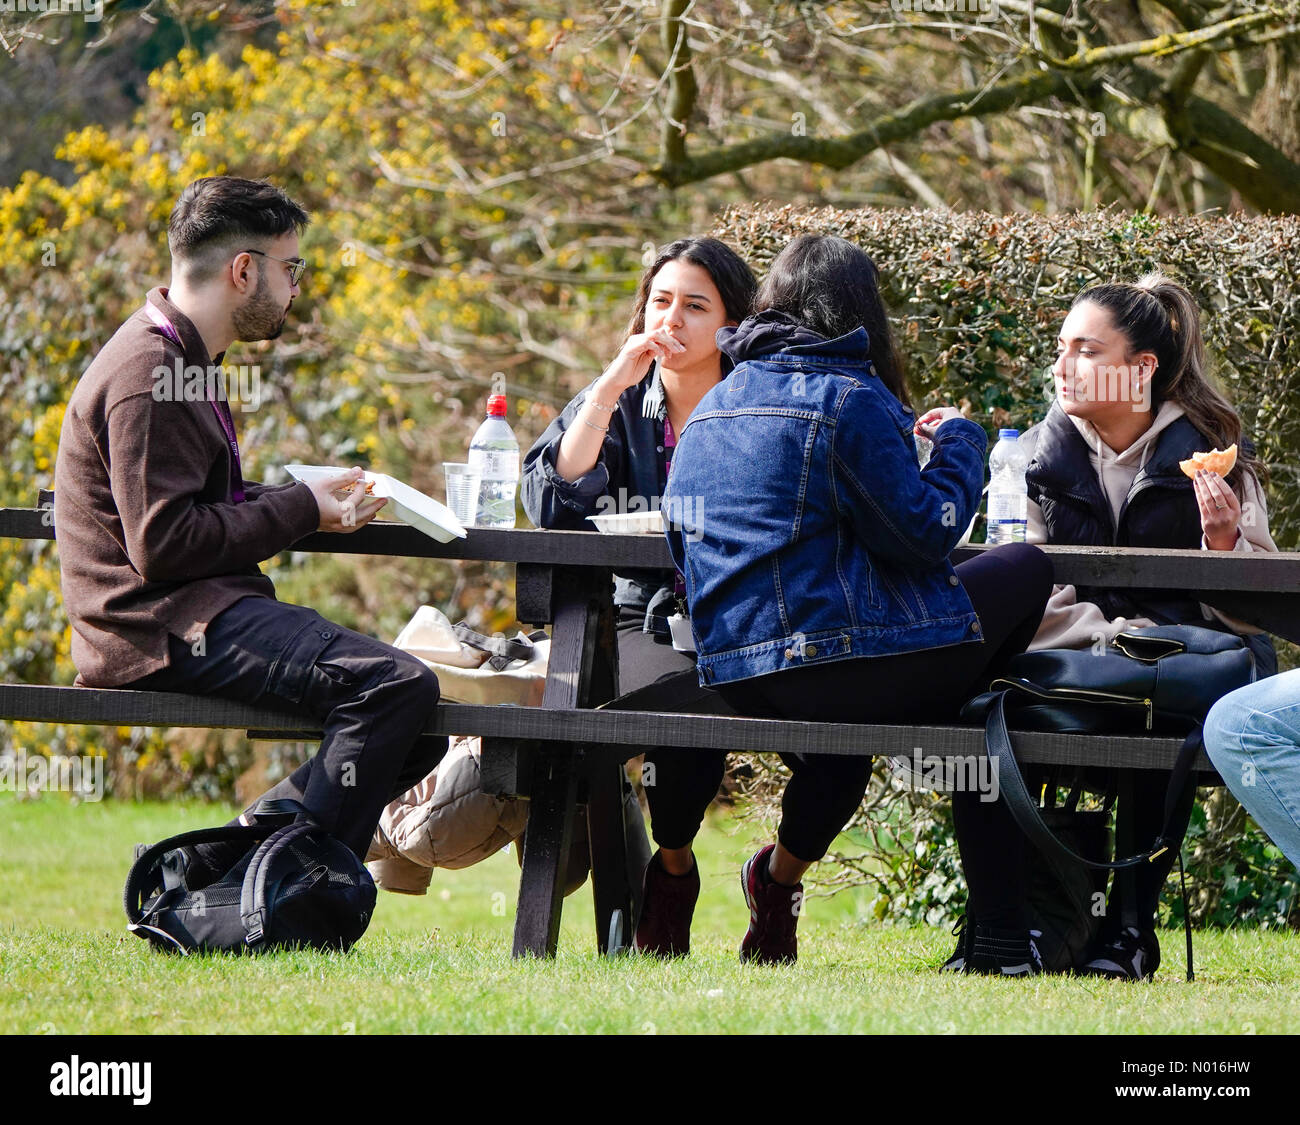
745	869
1108	969
1113	970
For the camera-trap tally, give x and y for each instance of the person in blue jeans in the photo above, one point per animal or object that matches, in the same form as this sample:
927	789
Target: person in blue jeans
815	556
1252	736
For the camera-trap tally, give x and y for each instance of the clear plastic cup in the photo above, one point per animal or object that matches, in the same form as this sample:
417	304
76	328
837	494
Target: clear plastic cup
462	490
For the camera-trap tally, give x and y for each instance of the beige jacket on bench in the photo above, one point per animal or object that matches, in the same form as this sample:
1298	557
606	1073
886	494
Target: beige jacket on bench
449	821
445	821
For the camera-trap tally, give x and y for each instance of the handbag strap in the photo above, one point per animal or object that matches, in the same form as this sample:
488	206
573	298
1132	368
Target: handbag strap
1011	786
1187	914
1024	809
503	650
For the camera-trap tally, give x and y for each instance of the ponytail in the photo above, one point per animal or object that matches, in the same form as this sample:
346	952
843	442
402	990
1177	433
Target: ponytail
1161	316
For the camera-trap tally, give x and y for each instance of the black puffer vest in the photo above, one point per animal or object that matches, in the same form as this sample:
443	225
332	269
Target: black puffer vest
1160	510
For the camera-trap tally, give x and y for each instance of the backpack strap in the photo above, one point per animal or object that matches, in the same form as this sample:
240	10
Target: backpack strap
253	911
142	868
268	815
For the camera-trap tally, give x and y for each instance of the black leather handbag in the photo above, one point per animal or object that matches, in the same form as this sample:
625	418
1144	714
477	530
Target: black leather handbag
1161	679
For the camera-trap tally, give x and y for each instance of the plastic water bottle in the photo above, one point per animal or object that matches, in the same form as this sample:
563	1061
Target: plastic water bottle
1008	495
495	453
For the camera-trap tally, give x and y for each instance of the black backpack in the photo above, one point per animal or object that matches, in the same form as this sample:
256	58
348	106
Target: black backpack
295	887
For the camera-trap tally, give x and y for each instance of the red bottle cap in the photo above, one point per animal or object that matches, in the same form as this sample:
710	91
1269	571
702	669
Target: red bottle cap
496	407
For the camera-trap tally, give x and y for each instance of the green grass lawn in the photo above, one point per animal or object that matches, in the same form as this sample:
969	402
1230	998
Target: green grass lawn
442	963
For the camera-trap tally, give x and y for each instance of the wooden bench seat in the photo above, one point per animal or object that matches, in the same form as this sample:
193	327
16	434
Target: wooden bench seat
620	734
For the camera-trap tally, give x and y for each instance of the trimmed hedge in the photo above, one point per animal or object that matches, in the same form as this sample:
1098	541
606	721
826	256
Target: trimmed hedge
978	300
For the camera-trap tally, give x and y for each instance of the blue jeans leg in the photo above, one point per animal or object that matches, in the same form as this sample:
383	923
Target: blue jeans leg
1252	736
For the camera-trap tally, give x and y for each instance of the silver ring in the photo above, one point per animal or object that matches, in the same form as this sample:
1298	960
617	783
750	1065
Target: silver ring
1220	506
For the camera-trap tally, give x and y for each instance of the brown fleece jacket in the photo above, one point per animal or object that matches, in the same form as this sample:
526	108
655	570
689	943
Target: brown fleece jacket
150	540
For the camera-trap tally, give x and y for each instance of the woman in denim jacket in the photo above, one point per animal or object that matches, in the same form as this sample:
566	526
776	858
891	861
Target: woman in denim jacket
815	555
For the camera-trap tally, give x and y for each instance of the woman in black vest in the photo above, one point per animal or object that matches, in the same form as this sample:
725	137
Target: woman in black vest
1132	400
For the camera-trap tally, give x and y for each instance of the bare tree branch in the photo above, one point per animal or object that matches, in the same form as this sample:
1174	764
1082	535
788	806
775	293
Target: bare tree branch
1211	135
1163	46
886	161
682	88
1195	126
840	152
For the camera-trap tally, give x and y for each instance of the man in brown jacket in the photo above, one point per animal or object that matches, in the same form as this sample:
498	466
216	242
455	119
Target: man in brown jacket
159	535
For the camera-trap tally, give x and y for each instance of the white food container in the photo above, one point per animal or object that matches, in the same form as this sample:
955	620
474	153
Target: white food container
404	502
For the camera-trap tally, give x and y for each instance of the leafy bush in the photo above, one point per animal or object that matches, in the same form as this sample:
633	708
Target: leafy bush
978	299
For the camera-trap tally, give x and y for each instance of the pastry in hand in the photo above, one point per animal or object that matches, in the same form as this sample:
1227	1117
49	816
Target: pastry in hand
1218	461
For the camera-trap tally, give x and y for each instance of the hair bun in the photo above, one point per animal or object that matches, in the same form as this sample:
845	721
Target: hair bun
1167	291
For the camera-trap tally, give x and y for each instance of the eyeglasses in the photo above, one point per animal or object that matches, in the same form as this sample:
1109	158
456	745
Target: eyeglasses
297	266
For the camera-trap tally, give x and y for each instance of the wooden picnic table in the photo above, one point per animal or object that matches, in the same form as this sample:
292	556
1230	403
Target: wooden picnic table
564	580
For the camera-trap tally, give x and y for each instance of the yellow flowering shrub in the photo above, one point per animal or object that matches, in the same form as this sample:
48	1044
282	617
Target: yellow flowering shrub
414	134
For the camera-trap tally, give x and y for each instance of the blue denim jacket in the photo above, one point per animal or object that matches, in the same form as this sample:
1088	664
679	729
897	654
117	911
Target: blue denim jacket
803	526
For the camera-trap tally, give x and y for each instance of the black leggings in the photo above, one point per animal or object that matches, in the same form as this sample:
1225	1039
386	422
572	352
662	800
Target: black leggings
641	661
1008	587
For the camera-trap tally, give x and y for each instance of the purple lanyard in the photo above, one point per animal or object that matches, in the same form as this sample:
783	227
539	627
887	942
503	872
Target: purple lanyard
670	447
224	417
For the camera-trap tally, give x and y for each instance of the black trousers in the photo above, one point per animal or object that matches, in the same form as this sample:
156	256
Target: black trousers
371	699
642	659
1008	586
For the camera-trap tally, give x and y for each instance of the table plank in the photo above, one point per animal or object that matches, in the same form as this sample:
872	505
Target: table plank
1116	567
